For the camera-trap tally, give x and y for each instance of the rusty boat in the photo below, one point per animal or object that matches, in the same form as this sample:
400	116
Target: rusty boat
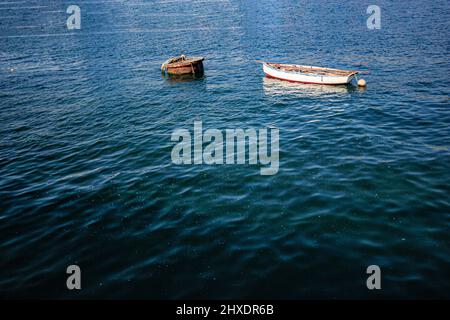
183	65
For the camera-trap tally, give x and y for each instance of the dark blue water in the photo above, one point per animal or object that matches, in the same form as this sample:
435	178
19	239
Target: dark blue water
86	176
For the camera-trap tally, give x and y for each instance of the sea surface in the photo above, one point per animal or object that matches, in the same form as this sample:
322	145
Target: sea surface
86	175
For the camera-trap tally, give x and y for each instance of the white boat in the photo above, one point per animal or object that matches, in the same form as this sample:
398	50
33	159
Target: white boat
308	74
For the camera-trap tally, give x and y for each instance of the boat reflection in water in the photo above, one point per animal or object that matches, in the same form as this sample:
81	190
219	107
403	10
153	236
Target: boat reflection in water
184	77
275	87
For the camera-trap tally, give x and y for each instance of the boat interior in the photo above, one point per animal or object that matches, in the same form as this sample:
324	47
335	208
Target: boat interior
183	60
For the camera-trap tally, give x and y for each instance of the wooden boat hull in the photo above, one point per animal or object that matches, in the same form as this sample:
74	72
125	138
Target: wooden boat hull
309	78
183	65
188	68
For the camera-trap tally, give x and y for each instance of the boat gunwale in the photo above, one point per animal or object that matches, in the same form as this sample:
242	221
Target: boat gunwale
185	63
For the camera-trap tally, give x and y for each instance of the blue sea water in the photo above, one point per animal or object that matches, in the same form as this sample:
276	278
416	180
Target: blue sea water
86	175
